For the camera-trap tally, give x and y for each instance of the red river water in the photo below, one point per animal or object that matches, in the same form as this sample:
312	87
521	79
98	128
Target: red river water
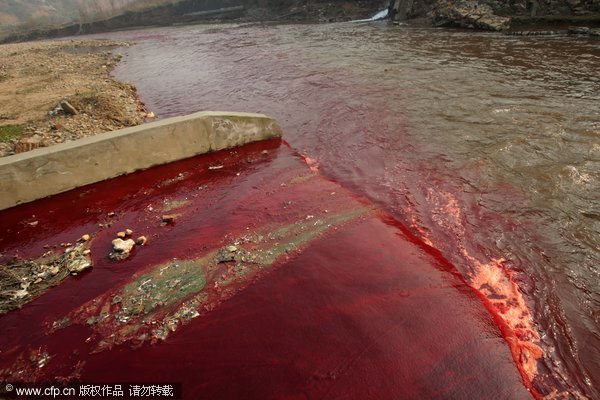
476	278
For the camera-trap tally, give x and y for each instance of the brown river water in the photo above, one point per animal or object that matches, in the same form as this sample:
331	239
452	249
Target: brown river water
486	146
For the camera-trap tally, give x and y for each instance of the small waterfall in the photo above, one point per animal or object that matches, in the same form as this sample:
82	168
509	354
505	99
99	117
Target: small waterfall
383	14
380	15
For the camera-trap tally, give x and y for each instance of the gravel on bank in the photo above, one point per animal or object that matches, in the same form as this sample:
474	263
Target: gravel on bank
57	91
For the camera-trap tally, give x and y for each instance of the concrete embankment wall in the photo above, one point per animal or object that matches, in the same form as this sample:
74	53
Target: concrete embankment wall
46	171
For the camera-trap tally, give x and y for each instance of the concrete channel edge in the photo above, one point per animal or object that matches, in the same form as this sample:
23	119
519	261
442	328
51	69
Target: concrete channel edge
47	171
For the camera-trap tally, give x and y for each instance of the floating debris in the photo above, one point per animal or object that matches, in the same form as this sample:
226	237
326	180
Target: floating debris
78	259
231	253
155	303
23	280
168	218
170	205
61	323
180	177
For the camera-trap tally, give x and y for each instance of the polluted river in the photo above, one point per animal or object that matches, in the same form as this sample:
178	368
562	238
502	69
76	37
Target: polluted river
481	151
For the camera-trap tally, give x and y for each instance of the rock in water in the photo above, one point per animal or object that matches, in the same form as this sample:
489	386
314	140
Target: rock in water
78	265
168	218
77	258
121	249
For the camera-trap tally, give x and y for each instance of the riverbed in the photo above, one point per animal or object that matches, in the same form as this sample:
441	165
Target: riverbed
485	146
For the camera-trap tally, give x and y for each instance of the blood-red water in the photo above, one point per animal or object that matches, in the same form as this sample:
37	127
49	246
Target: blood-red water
364	311
466	139
483	145
363	314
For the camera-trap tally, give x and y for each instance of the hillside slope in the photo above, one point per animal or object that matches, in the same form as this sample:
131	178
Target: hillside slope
44	13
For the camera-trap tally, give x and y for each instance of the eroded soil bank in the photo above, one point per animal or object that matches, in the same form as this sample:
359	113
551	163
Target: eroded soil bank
37	77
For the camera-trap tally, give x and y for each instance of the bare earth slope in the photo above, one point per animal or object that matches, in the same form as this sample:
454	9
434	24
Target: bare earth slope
36	77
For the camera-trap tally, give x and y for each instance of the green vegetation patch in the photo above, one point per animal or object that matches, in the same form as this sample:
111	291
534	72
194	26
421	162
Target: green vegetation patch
9	132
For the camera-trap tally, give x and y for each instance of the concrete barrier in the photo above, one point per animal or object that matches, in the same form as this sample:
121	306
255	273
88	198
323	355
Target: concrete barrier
50	170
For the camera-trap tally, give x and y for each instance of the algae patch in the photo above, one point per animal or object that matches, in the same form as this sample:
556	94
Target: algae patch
155	303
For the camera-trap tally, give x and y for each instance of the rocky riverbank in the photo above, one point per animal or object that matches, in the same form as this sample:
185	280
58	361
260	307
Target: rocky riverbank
494	15
501	15
56	91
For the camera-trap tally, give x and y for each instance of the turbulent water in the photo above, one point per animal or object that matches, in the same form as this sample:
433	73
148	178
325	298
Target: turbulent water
486	146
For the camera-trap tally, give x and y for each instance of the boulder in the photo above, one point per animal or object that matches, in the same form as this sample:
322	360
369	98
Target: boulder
78	265
121	249
68	108
468	14
27	144
77	259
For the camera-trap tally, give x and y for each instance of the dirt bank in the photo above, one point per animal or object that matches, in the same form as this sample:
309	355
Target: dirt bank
37	77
